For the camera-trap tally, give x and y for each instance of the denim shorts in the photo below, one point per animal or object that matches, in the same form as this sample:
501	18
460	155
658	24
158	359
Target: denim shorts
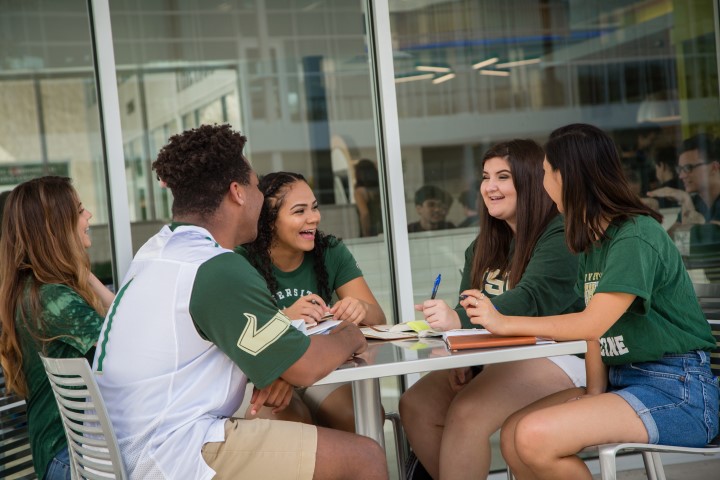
676	397
59	466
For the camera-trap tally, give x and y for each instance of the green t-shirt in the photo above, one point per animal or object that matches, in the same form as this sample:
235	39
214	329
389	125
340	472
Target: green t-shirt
77	325
546	287
243	322
340	264
640	258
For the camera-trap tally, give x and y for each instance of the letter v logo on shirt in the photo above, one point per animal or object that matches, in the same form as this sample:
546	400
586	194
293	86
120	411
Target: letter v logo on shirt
254	341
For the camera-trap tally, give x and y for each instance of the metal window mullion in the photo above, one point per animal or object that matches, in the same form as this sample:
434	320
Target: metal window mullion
388	134
111	135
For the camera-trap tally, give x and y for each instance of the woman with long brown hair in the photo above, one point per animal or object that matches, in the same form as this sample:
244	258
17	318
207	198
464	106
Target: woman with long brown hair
649	344
520	260
50	303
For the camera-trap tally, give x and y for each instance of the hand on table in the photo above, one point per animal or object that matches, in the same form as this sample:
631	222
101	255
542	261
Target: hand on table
439	315
680	196
277	395
352	330
689	215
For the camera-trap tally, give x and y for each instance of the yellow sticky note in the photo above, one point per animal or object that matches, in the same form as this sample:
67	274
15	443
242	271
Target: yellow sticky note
418	325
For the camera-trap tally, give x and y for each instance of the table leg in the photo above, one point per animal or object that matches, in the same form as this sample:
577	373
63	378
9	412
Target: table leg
368	409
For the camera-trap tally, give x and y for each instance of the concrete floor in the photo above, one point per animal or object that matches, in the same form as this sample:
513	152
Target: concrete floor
699	470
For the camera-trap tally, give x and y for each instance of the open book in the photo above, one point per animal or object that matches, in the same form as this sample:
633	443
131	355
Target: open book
318	328
412	329
463	339
324	318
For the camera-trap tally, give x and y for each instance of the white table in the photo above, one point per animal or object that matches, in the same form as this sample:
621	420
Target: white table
385	359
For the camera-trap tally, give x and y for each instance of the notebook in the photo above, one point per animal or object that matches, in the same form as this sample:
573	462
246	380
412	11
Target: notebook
479	338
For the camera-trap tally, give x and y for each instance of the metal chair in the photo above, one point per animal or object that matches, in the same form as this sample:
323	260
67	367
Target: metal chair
709	297
400	441
93	447
15	455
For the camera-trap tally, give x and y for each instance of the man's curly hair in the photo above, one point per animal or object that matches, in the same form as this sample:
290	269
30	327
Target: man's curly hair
275	186
198	166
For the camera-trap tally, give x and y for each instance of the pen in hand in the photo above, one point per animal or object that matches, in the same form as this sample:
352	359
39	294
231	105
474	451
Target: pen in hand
435	287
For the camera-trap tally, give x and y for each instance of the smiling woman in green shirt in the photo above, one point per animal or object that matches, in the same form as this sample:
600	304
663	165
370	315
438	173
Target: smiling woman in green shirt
309	274
521	262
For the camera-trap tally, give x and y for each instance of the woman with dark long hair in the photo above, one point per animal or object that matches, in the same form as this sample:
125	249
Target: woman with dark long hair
50	303
305	270
520	260
648	360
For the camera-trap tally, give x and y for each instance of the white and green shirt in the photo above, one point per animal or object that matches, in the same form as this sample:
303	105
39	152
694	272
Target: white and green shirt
190	324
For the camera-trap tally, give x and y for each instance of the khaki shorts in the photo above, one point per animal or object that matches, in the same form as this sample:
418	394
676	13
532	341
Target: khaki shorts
263	449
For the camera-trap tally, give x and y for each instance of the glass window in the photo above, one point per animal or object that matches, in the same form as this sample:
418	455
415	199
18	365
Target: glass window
48	102
470	74
284	74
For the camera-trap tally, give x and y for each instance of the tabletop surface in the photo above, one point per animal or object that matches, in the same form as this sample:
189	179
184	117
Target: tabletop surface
401	357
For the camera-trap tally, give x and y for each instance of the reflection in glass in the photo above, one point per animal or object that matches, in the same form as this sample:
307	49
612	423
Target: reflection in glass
646	72
292	76
48	103
470	74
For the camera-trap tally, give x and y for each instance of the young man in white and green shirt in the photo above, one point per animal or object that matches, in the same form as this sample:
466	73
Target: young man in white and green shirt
192	322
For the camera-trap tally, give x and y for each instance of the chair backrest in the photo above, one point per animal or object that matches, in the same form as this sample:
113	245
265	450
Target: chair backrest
93	447
709	296
15	455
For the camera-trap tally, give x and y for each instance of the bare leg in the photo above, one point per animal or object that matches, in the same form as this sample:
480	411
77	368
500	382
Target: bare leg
297	411
507	434
422	410
543	439
336	411
480	409
341	455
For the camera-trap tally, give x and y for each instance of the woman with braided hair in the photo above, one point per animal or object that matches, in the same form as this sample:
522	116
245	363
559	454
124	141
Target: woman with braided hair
305	269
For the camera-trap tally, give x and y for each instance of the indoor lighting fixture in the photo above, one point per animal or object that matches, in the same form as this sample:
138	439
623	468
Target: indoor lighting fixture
444	78
495	73
412	78
658	110
485	63
430	68
518	63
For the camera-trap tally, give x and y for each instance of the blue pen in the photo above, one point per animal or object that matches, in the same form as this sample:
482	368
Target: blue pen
435	287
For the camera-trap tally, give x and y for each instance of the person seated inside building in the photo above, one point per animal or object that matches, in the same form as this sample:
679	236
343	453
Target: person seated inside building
666	175
432	204
697	228
699	169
